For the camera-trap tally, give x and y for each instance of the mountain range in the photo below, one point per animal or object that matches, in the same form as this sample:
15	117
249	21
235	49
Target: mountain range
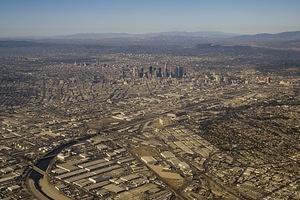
284	36
284	40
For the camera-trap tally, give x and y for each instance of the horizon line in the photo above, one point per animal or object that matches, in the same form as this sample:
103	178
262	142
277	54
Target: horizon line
138	33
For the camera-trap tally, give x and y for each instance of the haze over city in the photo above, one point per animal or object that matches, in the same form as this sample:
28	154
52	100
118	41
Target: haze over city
62	17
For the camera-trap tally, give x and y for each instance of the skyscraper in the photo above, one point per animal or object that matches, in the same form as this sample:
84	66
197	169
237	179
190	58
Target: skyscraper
159	72
141	72
150	71
166	73
179	71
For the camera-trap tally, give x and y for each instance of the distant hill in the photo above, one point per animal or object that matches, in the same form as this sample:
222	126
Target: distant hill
123	39
100	36
284	36
93	36
284	40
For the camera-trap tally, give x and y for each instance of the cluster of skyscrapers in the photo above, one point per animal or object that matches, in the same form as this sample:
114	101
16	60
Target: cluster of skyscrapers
152	72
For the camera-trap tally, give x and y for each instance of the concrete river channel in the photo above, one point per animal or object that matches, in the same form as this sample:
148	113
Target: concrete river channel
39	172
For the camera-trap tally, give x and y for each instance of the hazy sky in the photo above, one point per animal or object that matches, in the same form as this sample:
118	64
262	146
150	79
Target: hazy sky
59	17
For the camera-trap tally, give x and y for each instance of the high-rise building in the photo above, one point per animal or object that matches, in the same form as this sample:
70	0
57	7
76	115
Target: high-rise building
150	71
141	72
135	72
166	73
159	72
179	72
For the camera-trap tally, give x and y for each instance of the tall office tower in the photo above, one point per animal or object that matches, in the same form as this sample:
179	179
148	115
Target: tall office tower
141	72
159	72
165	71
180	72
123	72
154	71
268	80
150	71
133	72
176	72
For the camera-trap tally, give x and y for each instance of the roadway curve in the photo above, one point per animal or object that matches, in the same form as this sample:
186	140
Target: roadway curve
37	179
